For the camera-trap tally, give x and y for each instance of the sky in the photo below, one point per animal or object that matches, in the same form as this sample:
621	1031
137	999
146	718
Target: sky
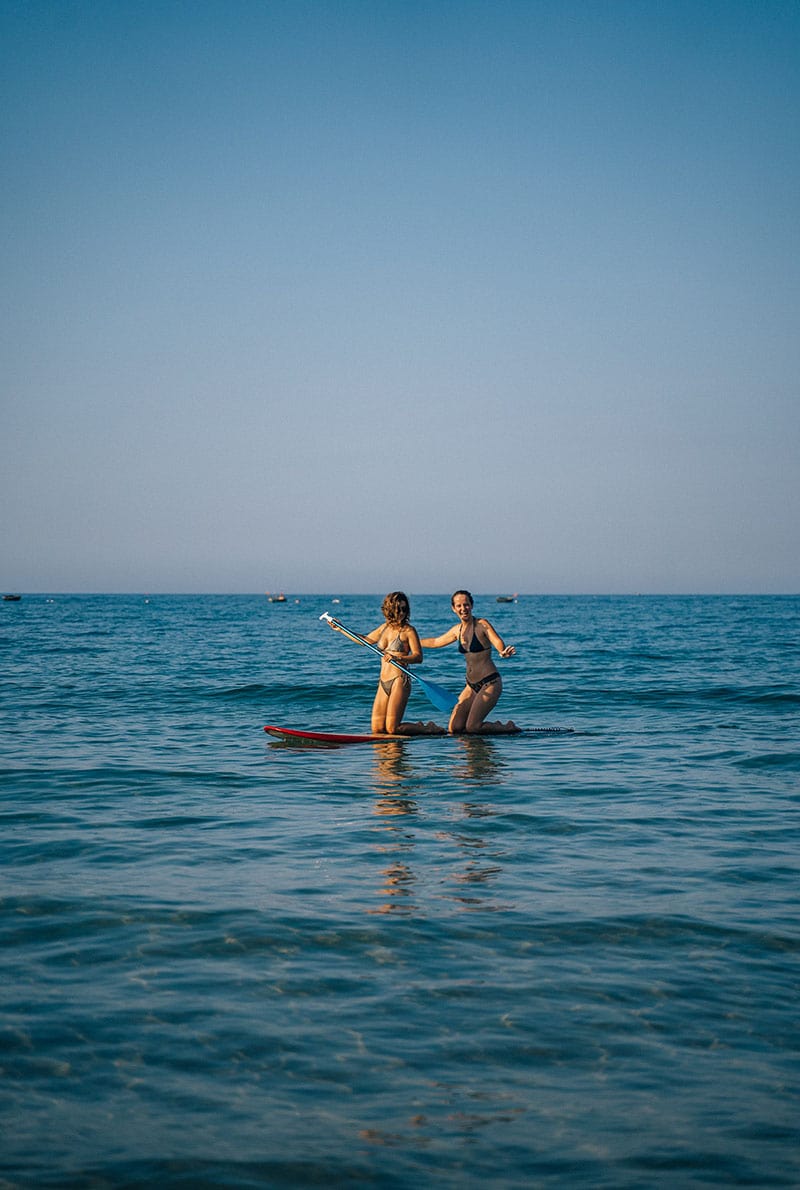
366	295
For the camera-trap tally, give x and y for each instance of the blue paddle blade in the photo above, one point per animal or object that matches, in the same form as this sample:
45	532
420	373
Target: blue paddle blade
443	700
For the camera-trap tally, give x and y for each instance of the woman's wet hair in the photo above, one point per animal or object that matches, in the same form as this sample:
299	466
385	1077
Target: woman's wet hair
466	593
396	608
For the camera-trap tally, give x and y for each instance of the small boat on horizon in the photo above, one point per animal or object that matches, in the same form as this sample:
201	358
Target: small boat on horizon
12	598
507	598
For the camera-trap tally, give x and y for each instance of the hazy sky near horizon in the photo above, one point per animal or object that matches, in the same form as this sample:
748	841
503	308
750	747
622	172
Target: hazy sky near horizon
362	295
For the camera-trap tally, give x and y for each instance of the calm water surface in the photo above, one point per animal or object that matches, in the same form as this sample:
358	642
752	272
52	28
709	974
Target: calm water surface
525	961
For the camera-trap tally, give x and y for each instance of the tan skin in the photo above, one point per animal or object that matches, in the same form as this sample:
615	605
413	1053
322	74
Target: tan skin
398	640
469	714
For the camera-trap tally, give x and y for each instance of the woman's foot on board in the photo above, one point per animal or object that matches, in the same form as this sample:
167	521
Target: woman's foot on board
419	728
493	728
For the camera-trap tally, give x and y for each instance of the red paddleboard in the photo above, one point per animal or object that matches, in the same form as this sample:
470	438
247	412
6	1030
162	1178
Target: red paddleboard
333	739
325	737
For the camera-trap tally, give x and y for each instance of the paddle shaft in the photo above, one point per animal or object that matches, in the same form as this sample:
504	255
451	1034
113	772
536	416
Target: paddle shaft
442	699
360	640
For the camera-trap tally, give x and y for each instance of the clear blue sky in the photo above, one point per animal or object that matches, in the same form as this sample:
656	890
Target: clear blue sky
362	295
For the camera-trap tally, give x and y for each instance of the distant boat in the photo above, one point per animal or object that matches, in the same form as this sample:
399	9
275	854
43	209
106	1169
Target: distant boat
507	598
12	598
276	598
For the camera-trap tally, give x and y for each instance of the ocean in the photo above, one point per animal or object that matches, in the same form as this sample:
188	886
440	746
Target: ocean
522	961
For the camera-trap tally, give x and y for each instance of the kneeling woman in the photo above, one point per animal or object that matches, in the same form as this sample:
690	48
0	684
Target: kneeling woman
476	638
398	640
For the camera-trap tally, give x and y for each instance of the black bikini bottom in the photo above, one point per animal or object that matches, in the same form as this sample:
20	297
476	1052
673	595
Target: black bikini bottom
478	686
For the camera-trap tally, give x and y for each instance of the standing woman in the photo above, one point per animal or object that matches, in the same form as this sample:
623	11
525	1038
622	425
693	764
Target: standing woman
484	684
397	639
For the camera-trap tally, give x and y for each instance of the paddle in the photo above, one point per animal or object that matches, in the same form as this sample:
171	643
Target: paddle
443	700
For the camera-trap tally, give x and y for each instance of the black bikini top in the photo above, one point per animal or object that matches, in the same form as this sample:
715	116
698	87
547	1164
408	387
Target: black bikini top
475	645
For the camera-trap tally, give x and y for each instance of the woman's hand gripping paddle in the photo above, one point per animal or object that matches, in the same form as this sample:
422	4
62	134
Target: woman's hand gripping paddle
443	700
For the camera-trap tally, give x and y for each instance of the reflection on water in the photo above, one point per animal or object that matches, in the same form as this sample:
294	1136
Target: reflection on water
468	863
393	773
392	765
397	889
478	870
480	763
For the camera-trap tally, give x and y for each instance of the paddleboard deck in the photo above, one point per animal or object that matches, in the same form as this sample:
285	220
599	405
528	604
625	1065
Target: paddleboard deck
335	739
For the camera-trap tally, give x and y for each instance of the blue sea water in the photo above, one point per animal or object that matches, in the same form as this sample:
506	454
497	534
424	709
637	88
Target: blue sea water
540	960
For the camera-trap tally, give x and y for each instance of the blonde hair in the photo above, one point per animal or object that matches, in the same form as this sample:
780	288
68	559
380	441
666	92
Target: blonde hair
396	608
